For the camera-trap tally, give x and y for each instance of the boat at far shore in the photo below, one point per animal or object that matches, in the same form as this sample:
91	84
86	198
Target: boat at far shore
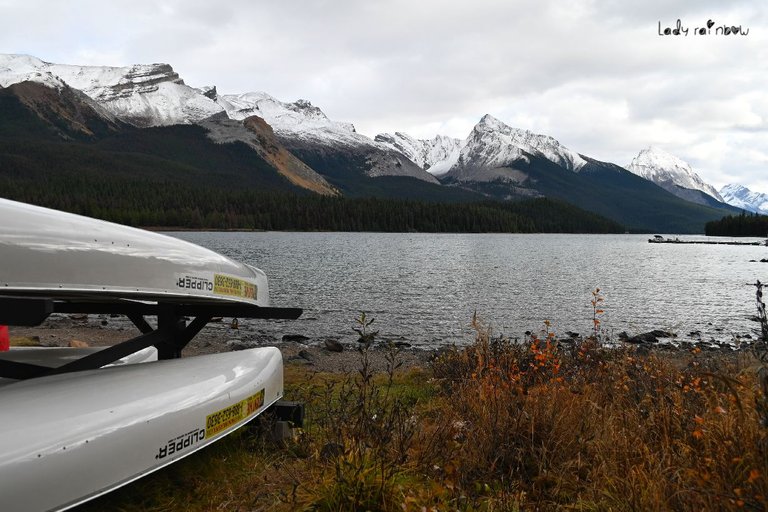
658	239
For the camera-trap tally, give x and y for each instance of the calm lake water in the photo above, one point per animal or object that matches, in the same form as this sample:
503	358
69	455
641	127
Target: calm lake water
424	288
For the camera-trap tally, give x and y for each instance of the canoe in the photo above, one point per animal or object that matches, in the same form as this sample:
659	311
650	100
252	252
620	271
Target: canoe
77	423
58	356
47	252
66	439
55	357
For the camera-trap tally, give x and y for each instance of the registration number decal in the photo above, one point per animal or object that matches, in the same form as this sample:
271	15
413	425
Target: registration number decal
234	287
225	418
218	284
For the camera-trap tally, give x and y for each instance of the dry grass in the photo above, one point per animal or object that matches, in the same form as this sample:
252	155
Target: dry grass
595	429
24	341
497	425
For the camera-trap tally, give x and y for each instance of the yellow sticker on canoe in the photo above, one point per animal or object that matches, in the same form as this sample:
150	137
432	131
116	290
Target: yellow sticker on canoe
234	287
225	418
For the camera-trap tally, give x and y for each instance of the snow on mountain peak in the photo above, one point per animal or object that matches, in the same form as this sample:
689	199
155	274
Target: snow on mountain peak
25	68
306	108
301	124
436	155
209	91
741	197
488	122
659	166
493	143
734	190
299	118
142	94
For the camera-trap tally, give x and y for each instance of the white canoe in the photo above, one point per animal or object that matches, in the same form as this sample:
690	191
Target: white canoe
55	357
77	423
68	438
53	253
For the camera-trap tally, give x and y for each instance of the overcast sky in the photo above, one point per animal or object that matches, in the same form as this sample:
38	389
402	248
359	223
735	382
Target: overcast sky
595	74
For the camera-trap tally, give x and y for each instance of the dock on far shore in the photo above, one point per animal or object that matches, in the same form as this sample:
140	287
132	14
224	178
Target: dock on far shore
658	239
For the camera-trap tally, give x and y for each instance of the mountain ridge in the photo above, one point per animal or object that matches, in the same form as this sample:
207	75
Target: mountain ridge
299	143
742	197
669	171
154	95
505	162
142	95
435	155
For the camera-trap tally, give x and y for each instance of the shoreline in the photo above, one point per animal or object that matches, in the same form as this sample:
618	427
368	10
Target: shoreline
313	356
165	229
311	353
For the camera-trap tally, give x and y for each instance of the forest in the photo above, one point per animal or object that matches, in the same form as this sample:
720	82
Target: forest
185	206
738	225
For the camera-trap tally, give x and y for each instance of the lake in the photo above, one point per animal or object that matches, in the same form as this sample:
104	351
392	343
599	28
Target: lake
424	288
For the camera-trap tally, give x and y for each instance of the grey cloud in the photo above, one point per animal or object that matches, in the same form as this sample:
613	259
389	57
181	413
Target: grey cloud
591	72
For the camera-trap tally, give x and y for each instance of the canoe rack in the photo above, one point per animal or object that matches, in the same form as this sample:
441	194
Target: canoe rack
174	329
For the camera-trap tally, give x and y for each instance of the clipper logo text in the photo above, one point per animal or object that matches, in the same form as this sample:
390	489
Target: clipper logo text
194	283
180	442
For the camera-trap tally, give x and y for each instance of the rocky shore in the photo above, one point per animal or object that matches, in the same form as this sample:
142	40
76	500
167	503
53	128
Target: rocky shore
94	330
321	356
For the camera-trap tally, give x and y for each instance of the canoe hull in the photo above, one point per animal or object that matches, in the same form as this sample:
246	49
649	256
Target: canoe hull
69	438
58	356
57	254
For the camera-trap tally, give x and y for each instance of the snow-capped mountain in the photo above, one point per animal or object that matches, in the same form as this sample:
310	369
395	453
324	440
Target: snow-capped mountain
741	197
62	112
257	134
501	162
511	143
298	119
494	148
435	155
305	129
142	95
155	95
261	136
665	169
489	152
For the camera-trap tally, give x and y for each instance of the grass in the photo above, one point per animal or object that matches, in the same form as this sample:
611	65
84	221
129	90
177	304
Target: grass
24	341
497	425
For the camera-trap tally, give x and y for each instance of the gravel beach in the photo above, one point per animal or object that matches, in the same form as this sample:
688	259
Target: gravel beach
62	330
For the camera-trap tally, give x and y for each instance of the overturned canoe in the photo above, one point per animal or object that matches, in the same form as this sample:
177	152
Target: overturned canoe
68	438
48	252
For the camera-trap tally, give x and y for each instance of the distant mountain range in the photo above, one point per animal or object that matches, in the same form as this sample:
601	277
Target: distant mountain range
674	175
143	122
744	198
504	162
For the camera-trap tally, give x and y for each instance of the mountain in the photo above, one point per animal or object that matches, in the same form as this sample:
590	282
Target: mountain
435	155
141	127
741	197
53	133
331	147
34	109
40	99
673	175
257	134
141	95
492	145
106	105
154	95
507	163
